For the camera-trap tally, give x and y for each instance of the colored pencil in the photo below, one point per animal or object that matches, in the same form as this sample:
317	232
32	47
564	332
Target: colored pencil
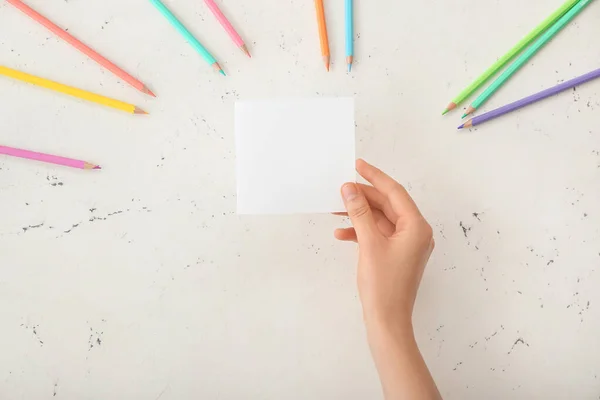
527	55
227	26
187	35
349	34
531	99
47	158
502	61
323	32
82	94
67	37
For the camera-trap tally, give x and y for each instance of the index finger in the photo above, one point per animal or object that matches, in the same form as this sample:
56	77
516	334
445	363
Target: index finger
400	200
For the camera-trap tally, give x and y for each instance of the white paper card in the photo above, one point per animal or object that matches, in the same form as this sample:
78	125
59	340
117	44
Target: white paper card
293	156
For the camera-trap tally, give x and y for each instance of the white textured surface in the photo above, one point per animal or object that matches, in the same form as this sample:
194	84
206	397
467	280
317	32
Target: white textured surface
182	299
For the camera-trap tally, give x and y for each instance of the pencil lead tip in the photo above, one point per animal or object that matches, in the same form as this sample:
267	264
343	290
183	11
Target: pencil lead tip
218	68
451	106
97	167
349	67
469	111
462	126
138	110
245	50
148	92
464	115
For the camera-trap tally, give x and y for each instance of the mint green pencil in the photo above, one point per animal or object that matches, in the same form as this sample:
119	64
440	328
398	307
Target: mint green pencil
187	35
514	51
525	57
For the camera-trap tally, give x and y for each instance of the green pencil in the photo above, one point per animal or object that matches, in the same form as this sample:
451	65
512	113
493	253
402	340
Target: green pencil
530	52
502	61
187	35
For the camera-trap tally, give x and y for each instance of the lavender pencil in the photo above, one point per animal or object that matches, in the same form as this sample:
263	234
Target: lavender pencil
531	99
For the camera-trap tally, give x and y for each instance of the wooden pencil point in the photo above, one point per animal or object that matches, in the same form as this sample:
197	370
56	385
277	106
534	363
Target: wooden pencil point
87	165
148	91
218	68
451	106
326	61
138	110
469	111
245	50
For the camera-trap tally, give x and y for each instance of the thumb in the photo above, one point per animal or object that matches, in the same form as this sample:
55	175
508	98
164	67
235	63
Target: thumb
359	211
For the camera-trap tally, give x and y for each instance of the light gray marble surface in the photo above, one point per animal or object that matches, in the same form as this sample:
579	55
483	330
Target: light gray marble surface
141	282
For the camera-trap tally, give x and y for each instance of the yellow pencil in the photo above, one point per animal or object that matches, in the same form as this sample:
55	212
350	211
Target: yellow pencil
82	94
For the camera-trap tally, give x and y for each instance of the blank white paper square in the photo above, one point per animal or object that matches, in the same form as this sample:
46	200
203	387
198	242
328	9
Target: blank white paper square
293	156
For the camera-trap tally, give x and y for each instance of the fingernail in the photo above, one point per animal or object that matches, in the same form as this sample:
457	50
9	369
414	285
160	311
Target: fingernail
349	191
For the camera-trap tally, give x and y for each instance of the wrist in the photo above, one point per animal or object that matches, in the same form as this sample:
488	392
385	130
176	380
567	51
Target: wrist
397	326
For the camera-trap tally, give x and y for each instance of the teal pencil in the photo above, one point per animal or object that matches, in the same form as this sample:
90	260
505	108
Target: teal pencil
349	34
187	35
529	53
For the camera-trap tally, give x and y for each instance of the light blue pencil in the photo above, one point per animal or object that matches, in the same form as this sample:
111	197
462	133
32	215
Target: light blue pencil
187	35
349	34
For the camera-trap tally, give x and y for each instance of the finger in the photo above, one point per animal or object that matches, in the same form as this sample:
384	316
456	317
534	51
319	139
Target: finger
399	199
360	212
345	235
384	216
377	200
385	226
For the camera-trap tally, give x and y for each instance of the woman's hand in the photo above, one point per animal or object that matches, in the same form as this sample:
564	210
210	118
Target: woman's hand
394	243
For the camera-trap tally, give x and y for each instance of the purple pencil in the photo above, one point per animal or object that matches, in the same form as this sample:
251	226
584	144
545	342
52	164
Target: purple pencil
531	99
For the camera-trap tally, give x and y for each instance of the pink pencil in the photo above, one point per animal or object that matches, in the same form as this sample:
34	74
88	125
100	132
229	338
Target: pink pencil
47	158
73	41
227	26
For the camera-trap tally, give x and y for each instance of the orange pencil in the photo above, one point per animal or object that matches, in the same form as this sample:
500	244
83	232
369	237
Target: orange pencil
323	32
67	37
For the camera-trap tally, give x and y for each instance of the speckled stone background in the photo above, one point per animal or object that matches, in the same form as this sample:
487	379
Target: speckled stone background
140	282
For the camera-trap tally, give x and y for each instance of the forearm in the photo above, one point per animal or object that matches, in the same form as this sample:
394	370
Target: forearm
403	372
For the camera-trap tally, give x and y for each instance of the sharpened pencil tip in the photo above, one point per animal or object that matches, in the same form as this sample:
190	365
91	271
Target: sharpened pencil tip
468	124
245	50
469	111
218	68
464	116
138	110
451	106
349	67
97	167
148	91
